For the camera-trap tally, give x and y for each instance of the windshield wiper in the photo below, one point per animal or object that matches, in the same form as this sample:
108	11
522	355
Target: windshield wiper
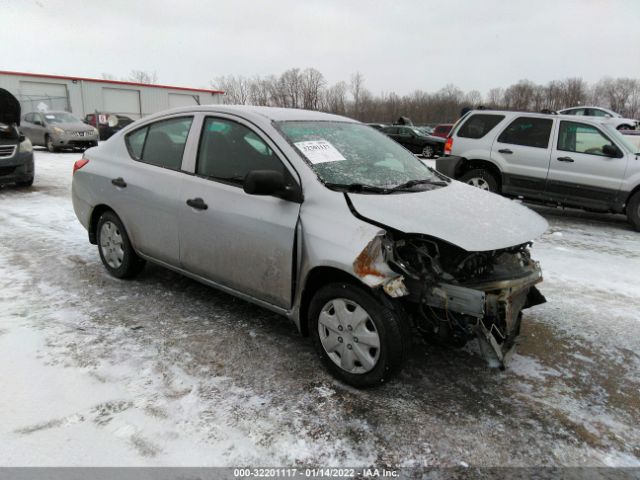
357	187
413	183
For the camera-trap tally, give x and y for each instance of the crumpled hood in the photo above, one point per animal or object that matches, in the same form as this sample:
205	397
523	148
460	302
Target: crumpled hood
465	216
9	108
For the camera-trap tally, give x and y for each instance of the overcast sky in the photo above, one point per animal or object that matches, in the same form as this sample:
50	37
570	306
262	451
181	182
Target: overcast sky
399	45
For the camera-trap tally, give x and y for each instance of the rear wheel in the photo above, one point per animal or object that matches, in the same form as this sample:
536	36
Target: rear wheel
428	151
625	127
482	179
633	211
115	249
359	340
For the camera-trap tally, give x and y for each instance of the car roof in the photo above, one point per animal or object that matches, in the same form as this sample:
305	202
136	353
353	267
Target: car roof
276	114
514	113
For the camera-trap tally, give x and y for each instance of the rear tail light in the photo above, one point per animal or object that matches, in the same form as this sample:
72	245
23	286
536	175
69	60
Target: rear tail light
79	164
447	146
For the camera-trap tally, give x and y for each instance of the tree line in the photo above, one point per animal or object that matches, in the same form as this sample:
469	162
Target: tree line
308	88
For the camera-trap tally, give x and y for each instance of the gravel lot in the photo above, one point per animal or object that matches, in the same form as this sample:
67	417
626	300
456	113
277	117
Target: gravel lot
164	371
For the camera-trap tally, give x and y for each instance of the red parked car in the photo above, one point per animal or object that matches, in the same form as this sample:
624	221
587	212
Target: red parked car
442	130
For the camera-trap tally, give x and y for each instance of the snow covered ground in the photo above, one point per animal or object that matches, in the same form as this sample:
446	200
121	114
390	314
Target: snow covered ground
161	370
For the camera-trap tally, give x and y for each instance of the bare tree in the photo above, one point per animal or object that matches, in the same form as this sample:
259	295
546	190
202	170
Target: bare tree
141	76
357	85
312	84
335	98
107	76
291	85
236	89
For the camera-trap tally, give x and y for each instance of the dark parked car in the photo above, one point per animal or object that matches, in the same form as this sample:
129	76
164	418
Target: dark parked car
442	130
108	123
415	140
16	152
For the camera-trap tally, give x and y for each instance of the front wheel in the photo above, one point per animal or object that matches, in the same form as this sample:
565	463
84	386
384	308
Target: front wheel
25	183
482	179
115	249
633	211
49	144
625	127
359	340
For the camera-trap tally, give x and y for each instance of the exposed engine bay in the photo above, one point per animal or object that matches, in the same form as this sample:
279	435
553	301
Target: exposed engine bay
453	295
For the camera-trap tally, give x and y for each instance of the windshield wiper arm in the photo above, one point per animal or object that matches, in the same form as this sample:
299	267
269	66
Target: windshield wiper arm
412	183
357	187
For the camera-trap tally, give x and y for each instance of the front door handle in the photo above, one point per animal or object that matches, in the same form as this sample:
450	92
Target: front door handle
119	182
504	150
565	159
197	203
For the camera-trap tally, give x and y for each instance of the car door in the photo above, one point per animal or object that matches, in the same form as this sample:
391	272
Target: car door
26	126
145	189
240	241
523	150
580	173
406	138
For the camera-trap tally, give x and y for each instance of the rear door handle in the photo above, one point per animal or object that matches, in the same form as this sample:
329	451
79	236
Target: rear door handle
504	150
565	159
197	203
119	182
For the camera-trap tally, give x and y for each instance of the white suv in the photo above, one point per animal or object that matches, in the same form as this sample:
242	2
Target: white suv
579	162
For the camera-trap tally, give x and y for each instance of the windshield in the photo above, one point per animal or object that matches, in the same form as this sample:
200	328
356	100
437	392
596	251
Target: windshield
621	139
61	117
344	153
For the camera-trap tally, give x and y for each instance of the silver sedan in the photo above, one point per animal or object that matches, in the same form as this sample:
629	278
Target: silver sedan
319	218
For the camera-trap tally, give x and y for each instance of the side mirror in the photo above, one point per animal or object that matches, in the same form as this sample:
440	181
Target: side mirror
264	182
22	138
611	151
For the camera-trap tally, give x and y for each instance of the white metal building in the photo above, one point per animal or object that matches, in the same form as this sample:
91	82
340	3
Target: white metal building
81	96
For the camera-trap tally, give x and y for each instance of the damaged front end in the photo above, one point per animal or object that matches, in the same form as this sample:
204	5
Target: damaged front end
453	295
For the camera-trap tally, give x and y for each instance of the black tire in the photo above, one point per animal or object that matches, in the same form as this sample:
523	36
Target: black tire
625	127
478	174
428	151
131	264
393	332
49	144
25	183
633	211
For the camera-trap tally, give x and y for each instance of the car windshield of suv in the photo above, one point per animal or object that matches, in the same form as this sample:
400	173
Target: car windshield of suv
353	155
60	118
620	138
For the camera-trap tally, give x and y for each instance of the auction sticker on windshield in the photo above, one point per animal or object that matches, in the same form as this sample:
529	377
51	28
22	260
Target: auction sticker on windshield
319	151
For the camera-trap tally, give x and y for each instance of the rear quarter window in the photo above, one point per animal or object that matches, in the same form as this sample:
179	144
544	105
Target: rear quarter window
478	125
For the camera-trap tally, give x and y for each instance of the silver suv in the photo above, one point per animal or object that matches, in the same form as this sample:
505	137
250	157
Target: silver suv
319	218
58	131
567	160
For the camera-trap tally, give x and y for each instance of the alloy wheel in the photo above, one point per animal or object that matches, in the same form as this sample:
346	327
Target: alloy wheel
479	182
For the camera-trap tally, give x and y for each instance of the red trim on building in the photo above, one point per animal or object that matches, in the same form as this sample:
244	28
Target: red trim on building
117	82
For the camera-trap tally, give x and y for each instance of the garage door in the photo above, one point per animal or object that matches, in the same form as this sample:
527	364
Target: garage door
43	96
121	101
181	100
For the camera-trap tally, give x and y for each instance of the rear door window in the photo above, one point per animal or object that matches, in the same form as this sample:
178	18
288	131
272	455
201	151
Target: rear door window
478	125
528	132
161	143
